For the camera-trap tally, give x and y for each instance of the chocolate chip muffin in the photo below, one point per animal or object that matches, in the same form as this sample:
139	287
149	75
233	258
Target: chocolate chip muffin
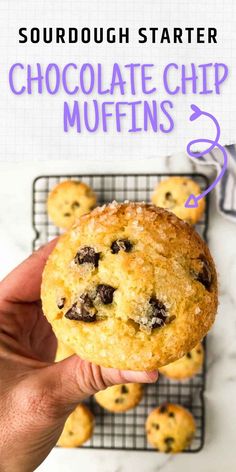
186	367
170	428
172	194
120	398
78	428
138	285
68	201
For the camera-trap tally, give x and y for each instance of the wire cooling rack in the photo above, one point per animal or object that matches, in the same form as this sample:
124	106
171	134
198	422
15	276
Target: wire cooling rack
126	431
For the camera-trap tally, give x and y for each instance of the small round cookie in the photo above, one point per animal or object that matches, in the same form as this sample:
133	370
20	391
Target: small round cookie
68	201
172	195
139	287
186	367
63	351
78	428
170	428
119	398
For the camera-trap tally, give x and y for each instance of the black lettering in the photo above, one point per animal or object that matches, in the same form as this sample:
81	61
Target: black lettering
165	37
73	35
47	35
153	31
110	36
142	35
212	33
98	35
35	35
200	35
60	35
21	33
178	35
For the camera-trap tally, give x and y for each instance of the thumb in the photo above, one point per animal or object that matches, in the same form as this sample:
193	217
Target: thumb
70	381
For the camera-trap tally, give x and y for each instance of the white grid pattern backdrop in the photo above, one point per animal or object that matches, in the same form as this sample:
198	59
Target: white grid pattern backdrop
32	126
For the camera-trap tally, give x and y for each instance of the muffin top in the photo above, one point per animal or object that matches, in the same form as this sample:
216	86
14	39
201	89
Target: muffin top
119	398
172	194
186	367
138	285
170	428
78	427
68	200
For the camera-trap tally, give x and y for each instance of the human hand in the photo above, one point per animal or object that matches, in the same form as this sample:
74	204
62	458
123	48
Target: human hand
37	395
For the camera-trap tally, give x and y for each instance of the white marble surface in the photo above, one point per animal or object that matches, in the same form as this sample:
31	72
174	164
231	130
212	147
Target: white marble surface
219	452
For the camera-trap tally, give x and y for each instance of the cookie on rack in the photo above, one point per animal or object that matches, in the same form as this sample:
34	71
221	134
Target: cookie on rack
170	428
186	367
172	194
78	428
68	201
139	287
119	398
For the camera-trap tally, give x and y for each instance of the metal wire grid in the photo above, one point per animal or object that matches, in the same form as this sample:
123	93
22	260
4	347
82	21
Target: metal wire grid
126	431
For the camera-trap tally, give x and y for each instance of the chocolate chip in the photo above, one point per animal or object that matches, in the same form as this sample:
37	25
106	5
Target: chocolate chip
67	214
168	449
163	409
105	293
159	315
169	198
87	255
83	310
75	205
119	400
124	389
171	414
61	302
169	440
121	244
204	276
189	355
155	426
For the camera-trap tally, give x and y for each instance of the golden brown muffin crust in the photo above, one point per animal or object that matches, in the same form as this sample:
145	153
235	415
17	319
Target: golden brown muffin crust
78	428
172	193
68	200
119	398
139	285
170	428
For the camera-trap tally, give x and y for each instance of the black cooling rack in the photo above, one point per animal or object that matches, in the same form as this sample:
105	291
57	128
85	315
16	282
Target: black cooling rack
126	431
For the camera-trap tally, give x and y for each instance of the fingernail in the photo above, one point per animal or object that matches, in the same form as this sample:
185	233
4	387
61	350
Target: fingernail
141	377
152	376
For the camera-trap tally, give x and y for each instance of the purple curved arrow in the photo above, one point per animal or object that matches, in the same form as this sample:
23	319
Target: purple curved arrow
192	201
